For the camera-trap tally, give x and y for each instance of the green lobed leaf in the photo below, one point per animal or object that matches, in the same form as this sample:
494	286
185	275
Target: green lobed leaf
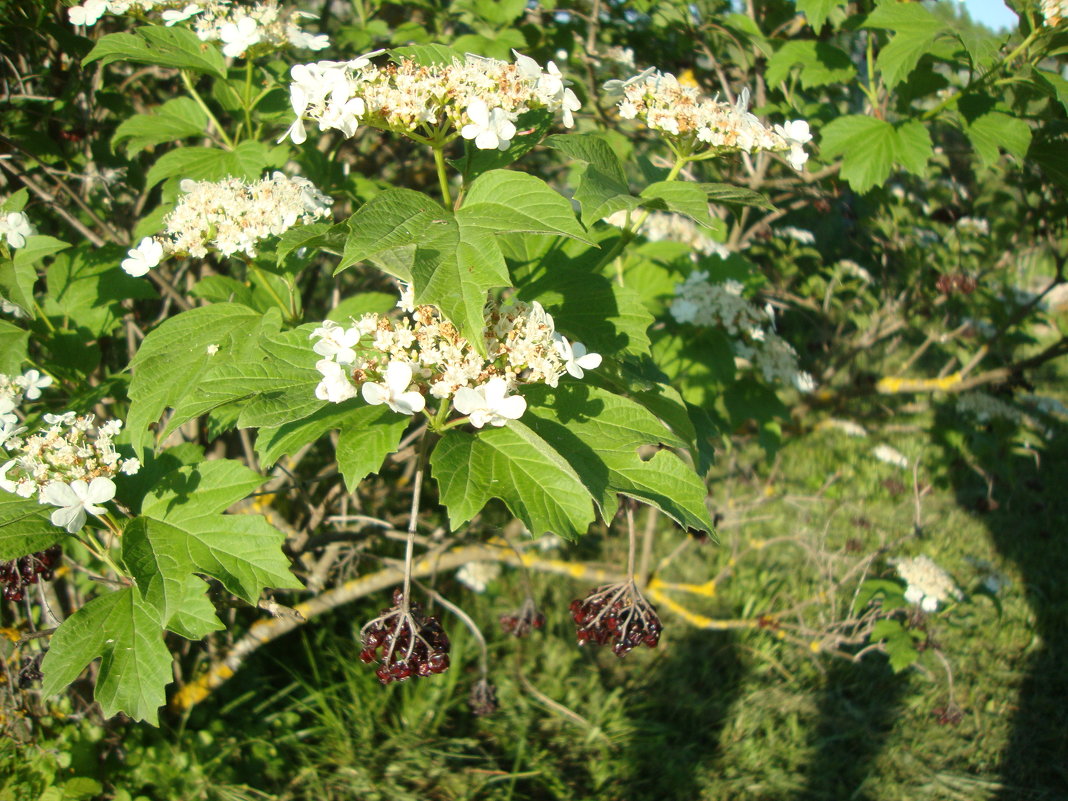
680	197
200	489
369	435
600	435
247	160
16	284
195	617
994	131
25	527
274	442
602	188
517	466
37	248
166	47
817	11
729	194
13	344
392	220
516	202
821	64
315	235
224	289
176	119
915	29
871	147
174	356
124	631
1051	84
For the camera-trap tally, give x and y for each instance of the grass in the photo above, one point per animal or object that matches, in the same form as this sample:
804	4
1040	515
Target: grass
710	714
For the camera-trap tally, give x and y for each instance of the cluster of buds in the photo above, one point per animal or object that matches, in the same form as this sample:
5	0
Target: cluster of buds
477	98
702	125
704	303
617	614
17	574
928	584
400	363
522	621
229	216
406	643
243	30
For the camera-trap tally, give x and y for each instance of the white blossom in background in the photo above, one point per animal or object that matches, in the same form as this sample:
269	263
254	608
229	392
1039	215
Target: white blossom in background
850	267
928	584
1046	405
421	355
478	575
985	407
884	453
974	226
751	330
15	227
660	226
847	427
77	498
700	124
264	26
479	98
1054	12
7	307
799	235
68	448
230	216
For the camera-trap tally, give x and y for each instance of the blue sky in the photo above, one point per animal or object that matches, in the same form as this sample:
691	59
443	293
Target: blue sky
992	13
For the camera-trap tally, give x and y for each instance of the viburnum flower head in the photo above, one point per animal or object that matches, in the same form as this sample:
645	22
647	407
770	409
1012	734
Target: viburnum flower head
76	499
489	403
475	97
393	390
928	584
700	124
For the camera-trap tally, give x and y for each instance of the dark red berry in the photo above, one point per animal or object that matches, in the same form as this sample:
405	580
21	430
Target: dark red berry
405	643
616	614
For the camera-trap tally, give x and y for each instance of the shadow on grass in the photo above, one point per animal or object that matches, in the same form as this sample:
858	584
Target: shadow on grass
858	705
1028	524
686	698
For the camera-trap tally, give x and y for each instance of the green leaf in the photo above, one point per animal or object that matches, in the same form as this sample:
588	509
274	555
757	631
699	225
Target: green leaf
126	632
600	435
37	248
174	356
16	201
680	197
13	344
510	201
166	47
1051	84
426	55
176	119
397	219
821	64
516	465
25	527
731	195
369	435
457	271
602	188
195	617
273	442
816	11
200	489
915	29
247	160
356	306
871	147
224	289
16	284
996	130
315	235
593	150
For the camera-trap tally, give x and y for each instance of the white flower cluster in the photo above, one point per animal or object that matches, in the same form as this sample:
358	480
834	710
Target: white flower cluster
478	575
799	235
669	107
985	407
850	267
928	584
1054	12
69	464
707	304
229	216
479	98
14	389
15	227
264	26
660	226
400	363
976	226
885	453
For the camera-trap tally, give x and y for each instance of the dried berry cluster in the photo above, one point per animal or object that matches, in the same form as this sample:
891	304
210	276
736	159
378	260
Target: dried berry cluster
618	614
482	698
17	574
951	283
411	644
519	623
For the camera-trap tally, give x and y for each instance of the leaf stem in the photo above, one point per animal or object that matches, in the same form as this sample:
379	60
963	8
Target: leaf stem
443	178
204	107
286	312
